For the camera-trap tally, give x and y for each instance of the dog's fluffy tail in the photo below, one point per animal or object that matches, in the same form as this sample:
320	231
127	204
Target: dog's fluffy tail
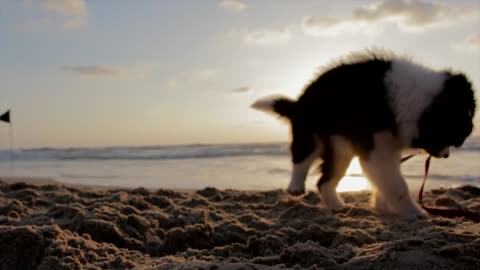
279	105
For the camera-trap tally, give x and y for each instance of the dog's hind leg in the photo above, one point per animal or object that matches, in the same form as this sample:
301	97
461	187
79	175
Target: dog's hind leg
382	167
336	158
305	148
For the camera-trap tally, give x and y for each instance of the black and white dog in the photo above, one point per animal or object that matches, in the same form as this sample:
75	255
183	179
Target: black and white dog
374	105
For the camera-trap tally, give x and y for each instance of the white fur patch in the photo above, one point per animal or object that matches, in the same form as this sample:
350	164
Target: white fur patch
411	89
383	169
444	153
266	103
380	204
330	196
300	170
299	174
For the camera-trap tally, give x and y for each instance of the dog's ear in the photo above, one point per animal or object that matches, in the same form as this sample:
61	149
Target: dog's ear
457	81
458	88
459	98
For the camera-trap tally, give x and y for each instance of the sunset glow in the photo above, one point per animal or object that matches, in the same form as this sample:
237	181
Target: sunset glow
78	73
354	179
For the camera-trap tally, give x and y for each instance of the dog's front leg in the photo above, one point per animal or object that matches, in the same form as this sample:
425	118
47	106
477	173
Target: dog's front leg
299	174
305	148
382	167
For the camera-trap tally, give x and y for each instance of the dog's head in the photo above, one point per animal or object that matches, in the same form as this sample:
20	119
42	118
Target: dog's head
448	121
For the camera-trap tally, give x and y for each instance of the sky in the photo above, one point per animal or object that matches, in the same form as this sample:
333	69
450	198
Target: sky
85	73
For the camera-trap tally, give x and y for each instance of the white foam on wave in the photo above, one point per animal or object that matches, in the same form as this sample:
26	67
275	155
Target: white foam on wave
149	152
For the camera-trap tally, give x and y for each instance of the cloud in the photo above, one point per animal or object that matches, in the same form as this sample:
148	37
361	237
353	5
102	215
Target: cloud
407	15
94	70
204	75
74	12
240	90
172	83
74	8
69	14
413	13
473	40
108	71
471	43
330	26
193	77
268	37
233	5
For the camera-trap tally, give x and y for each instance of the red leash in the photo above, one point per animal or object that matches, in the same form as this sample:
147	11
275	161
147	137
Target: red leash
449	213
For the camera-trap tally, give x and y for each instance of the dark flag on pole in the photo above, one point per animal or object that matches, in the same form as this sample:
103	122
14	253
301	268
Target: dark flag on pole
5	117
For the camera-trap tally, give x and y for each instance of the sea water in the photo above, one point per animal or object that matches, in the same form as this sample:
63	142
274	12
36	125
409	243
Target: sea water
232	166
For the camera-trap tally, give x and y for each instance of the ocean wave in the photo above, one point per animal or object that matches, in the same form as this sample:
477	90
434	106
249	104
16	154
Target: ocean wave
471	144
148	152
194	151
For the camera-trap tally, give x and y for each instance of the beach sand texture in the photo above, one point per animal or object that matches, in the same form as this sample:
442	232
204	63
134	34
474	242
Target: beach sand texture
59	227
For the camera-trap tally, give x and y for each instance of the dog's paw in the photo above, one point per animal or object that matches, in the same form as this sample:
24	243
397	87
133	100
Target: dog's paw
331	199
335	205
348	209
410	212
412	217
296	192
296	189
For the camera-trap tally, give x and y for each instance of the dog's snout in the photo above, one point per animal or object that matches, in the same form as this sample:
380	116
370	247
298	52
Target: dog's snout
444	153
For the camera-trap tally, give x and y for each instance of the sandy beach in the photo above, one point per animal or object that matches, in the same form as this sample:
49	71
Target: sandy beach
50	226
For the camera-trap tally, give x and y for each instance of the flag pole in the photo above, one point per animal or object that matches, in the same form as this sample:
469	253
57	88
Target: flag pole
11	144
5	117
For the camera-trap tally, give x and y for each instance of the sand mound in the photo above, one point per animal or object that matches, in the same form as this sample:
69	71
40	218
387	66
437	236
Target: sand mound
57	227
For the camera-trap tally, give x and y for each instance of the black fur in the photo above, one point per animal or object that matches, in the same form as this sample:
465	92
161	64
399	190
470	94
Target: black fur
448	120
284	107
349	100
352	100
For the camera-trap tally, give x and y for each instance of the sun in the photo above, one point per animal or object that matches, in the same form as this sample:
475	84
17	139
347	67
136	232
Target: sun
354	180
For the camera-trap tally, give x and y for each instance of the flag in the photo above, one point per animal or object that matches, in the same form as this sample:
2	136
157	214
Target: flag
5	117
